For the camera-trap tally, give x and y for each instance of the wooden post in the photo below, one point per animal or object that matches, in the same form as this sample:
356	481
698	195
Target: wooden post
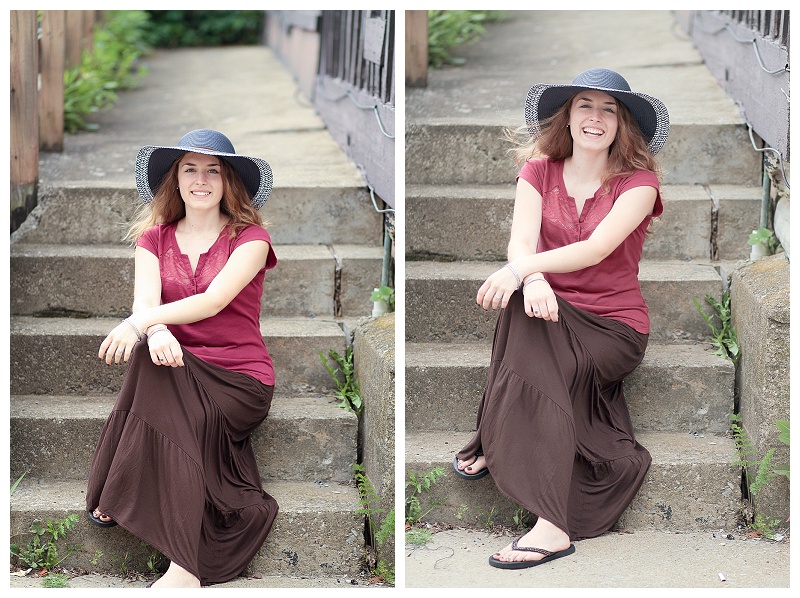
417	48
52	58
75	37
24	126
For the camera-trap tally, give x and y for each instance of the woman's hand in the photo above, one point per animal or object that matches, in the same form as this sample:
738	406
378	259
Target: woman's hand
164	348
119	343
498	288
540	300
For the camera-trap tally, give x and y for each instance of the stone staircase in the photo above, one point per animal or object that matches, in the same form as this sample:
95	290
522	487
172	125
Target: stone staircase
459	202
72	281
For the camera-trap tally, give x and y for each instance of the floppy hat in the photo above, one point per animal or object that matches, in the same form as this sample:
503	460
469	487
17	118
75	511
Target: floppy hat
543	101
153	162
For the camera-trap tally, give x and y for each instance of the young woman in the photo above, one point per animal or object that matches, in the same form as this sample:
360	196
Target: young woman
553	426
174	464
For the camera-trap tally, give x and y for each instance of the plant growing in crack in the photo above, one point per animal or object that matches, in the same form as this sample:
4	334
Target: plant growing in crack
723	333
765	471
347	389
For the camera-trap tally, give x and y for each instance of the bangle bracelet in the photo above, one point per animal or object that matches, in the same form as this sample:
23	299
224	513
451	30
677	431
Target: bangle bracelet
135	329
152	334
514	272
155	328
532	280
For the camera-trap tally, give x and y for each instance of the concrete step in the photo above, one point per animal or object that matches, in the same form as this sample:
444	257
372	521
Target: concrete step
97	280
473	222
691	485
464	152
303	438
677	388
440	300
81	212
58	356
317	531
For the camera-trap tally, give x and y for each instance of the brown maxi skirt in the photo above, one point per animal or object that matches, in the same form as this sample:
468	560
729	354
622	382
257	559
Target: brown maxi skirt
174	465
553	423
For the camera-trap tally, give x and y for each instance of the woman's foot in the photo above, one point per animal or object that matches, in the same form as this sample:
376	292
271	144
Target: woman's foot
101	519
176	577
471	468
476	464
544	535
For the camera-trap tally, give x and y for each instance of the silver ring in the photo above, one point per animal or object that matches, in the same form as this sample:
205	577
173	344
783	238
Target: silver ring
536	311
162	358
120	350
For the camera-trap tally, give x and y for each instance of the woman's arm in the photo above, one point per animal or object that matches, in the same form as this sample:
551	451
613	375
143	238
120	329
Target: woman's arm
243	264
628	212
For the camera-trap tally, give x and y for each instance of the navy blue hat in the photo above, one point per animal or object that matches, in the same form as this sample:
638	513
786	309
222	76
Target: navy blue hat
543	101
153	162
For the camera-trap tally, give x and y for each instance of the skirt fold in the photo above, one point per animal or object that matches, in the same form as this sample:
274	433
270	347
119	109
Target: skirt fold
553	422
174	464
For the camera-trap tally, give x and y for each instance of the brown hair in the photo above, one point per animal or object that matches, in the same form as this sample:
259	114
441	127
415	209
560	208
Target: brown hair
167	205
626	154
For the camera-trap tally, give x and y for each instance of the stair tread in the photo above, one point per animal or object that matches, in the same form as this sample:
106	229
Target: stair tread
272	326
122	251
65	407
478	353
293	497
672	448
480	270
675	191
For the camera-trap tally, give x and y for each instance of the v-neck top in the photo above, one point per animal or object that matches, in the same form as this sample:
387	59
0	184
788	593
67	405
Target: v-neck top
232	338
611	288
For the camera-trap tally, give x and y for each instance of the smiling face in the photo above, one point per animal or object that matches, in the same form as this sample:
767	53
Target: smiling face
200	180
593	120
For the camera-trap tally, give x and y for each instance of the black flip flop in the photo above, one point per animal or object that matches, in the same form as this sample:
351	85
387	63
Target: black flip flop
99	522
470	476
548	556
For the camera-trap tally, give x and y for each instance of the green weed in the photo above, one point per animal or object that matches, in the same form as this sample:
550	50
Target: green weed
42	550
347	390
723	334
367	497
56	580
385	294
765	237
415	512
450	29
765	472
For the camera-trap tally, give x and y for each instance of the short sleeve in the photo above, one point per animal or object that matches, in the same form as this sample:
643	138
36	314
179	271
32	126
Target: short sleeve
149	240
533	172
256	233
644	178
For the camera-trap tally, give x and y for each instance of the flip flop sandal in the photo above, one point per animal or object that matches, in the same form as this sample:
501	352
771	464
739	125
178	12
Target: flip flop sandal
548	556
99	522
470	476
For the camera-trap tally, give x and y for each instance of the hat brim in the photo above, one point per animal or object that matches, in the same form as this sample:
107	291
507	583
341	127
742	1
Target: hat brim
543	101
153	162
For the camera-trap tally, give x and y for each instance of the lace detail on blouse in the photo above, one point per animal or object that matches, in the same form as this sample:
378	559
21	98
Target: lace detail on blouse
557	209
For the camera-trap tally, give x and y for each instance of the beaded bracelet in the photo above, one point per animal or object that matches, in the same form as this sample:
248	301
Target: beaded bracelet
135	329
514	272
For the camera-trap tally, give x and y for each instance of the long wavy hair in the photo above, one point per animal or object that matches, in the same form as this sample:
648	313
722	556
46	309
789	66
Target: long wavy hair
167	205
626	154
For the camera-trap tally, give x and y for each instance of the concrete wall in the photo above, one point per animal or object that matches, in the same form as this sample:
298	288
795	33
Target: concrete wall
374	359
760	304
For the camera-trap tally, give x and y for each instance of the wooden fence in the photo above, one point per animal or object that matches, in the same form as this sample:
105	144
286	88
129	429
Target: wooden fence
44	44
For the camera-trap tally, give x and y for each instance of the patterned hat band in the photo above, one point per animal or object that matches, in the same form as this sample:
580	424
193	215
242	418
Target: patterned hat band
650	113
153	163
